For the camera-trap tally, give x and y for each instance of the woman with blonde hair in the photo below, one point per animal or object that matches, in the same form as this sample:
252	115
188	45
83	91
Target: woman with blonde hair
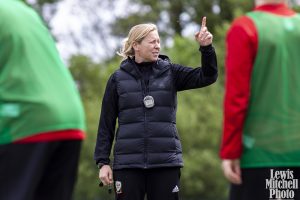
141	94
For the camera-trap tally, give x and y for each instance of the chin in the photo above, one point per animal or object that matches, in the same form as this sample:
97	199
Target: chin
155	58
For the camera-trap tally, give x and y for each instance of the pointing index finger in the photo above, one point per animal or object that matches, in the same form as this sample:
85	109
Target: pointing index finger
203	22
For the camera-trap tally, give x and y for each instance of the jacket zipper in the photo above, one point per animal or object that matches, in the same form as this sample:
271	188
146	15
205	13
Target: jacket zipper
144	87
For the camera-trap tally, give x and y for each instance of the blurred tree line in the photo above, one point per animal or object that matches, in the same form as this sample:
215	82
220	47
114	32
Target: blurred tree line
199	117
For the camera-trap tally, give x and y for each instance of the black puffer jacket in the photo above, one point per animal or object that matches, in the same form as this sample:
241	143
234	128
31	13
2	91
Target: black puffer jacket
147	137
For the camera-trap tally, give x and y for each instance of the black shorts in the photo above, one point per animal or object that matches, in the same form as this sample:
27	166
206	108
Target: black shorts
156	184
39	171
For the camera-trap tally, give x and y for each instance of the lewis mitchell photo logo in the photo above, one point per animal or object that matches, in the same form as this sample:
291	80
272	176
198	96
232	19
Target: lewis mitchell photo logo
281	184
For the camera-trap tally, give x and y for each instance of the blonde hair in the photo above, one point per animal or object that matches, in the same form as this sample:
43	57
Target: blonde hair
136	34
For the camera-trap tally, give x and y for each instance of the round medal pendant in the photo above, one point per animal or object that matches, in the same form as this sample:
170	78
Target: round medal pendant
149	101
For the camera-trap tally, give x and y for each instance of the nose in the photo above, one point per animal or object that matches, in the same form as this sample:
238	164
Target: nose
157	45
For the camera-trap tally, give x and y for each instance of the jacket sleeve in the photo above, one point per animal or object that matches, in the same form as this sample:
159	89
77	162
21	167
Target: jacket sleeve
189	78
107	123
241	47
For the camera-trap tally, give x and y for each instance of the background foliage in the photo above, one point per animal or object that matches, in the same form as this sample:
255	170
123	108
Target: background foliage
199	116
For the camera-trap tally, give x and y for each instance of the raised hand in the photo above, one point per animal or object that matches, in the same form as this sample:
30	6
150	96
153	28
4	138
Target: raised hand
204	37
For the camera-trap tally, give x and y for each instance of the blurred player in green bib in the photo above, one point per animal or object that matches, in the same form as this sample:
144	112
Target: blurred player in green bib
41	115
261	140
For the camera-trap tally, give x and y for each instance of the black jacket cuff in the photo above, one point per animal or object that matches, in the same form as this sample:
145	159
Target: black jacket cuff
206	48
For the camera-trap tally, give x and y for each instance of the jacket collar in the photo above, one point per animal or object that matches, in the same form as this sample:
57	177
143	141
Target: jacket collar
161	65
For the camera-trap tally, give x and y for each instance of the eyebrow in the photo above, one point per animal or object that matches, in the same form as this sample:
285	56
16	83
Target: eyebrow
154	39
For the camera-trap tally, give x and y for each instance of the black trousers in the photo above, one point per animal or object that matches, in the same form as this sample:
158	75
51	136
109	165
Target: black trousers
156	184
267	183
38	171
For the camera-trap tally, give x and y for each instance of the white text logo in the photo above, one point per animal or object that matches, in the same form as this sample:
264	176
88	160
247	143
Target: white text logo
281	184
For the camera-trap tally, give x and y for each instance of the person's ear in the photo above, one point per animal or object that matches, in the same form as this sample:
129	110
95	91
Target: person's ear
135	46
